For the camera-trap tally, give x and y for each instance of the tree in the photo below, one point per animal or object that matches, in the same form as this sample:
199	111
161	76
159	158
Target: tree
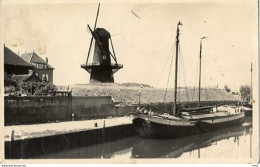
245	92
37	88
227	88
30	88
8	81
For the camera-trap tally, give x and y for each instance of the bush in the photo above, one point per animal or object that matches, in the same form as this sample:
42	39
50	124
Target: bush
227	89
8	81
245	92
37	88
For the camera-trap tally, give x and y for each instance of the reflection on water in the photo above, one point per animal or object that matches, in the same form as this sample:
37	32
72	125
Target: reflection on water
232	142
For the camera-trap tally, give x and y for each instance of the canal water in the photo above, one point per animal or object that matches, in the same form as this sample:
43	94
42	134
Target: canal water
234	142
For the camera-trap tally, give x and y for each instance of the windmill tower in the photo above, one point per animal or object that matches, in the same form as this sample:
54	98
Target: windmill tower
101	69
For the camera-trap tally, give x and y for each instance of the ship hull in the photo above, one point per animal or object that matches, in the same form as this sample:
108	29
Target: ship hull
248	111
150	127
220	123
159	128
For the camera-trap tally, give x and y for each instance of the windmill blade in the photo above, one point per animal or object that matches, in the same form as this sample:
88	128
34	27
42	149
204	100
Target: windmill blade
89	48
95	36
114	56
92	33
96	17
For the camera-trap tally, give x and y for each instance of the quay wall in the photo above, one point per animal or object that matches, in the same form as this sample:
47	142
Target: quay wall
33	147
31	110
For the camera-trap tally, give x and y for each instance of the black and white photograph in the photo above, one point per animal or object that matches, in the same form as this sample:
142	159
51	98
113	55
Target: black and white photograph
129	82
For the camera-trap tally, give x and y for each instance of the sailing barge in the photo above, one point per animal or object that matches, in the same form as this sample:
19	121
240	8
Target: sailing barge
184	121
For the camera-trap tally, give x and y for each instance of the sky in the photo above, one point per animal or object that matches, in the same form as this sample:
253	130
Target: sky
143	44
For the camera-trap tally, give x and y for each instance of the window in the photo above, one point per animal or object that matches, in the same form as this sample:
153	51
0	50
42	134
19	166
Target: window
44	77
35	65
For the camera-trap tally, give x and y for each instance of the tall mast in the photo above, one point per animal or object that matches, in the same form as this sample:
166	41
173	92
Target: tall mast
200	69
176	70
251	97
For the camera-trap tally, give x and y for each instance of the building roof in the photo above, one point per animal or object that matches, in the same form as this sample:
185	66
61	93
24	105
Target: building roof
34	58
26	77
11	58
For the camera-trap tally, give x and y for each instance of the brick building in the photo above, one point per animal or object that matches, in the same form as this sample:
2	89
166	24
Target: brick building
41	67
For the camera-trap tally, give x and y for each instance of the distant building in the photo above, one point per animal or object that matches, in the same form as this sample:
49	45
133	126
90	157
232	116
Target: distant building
26	78
41	68
31	78
14	64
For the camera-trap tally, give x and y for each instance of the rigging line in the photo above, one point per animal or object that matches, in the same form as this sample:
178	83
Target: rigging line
195	81
162	71
173	46
169	74
184	78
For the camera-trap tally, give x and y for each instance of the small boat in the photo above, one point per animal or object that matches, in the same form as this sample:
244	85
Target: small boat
179	121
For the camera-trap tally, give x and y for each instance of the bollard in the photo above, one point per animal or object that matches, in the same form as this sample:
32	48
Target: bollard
72	117
103	131
12	135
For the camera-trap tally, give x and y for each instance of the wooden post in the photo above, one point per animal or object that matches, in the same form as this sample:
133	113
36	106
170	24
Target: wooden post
139	98
12	135
103	131
72	117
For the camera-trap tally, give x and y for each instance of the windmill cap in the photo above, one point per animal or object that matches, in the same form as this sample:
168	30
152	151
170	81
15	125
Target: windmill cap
102	32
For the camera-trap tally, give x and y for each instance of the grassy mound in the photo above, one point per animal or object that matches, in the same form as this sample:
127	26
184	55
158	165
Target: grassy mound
129	93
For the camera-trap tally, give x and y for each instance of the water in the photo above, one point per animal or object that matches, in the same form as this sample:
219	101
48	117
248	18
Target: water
234	142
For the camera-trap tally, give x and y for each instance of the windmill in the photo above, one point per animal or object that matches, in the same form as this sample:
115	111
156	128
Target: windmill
101	69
